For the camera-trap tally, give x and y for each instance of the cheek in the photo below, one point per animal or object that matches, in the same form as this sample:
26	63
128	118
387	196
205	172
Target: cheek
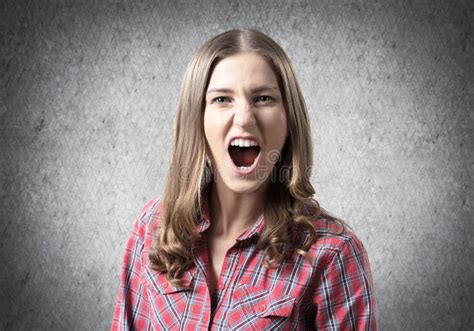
283	134
212	130
277	128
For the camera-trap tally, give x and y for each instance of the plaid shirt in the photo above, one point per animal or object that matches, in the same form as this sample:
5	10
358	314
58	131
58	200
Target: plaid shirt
335	292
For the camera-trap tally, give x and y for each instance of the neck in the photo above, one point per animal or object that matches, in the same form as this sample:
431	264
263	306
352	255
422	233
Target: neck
231	212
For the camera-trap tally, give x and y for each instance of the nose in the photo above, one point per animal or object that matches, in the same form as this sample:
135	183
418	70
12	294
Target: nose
243	115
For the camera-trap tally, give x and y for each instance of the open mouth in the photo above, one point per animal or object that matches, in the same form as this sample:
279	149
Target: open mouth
243	152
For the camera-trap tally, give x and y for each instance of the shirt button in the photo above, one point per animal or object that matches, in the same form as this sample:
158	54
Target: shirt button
221	286
263	307
165	285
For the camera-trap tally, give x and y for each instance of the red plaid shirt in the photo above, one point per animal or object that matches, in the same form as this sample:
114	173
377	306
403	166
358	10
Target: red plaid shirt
335	292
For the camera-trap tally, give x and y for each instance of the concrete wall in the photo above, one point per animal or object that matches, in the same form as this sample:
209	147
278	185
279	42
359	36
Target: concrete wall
88	97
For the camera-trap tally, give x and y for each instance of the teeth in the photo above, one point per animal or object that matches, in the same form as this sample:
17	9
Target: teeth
243	142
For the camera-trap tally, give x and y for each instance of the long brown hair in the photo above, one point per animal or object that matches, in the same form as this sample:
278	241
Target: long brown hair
289	208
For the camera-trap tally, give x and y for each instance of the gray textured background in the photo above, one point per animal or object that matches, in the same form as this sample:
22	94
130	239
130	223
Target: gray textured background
88	98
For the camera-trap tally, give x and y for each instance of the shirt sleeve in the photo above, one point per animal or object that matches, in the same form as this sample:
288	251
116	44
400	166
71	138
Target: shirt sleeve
345	298
131	307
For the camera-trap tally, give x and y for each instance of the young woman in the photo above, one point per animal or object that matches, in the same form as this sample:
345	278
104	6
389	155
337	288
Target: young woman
237	241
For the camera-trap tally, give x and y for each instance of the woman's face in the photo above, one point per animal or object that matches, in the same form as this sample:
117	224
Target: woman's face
244	121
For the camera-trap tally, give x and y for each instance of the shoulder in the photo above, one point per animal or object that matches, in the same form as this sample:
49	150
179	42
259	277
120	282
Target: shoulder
148	221
336	241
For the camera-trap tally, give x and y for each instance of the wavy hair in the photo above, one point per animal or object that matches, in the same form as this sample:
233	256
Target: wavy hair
289	209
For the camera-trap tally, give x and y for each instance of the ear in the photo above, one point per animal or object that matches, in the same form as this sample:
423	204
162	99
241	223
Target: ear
208	155
208	161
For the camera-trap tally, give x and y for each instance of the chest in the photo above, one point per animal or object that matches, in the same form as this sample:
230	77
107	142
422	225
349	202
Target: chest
243	294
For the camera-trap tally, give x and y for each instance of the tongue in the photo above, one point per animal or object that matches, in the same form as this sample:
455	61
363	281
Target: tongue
243	156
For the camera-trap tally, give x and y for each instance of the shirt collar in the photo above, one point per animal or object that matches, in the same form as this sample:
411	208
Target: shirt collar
205	223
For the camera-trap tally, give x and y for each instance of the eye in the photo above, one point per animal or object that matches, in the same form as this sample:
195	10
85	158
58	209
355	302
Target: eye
264	98
220	100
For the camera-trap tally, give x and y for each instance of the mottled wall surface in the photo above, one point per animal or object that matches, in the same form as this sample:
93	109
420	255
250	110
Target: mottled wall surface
88	96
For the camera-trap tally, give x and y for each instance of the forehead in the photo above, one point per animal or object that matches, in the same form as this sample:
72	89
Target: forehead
242	69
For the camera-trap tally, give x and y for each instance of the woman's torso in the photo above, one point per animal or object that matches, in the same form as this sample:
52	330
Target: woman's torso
237	292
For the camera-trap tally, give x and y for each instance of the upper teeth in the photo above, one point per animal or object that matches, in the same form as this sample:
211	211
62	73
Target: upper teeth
243	142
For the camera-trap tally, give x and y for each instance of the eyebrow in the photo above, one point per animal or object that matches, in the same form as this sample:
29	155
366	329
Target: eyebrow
253	91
